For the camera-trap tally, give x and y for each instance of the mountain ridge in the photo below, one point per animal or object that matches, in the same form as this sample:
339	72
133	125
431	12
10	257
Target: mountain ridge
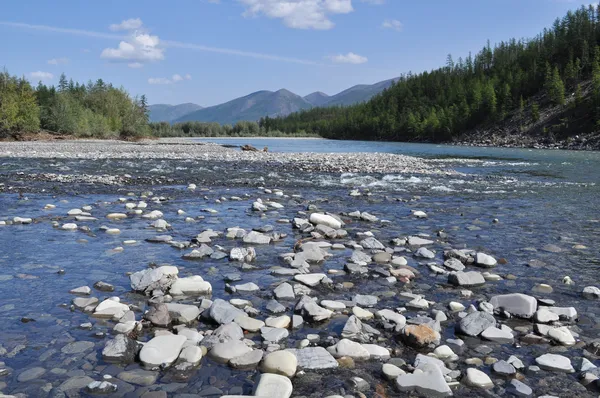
263	103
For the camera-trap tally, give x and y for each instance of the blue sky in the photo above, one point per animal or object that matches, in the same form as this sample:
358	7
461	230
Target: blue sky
211	51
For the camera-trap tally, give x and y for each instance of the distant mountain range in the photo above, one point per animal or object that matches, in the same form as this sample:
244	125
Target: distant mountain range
168	113
263	103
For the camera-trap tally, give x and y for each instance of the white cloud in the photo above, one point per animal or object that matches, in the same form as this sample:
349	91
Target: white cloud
166	43
176	78
393	24
299	14
58	61
139	47
135	65
349	58
39	75
128	24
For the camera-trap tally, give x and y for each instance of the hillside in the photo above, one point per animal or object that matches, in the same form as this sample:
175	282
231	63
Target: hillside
250	108
536	87
357	94
169	113
317	98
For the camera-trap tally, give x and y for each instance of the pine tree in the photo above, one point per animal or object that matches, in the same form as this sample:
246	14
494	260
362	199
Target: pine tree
521	109
63	84
578	95
558	88
535	112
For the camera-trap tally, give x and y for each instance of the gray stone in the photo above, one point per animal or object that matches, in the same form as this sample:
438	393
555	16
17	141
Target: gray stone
497	335
272	385
372	243
476	378
519	389
222	312
349	348
280	362
183	313
151	279
364	300
314	358
162	350
555	362
310	280
475	323
77	347
484	260
429	382
224	334
316	312
504	368
285	291
471	278
247	361
257	238
454	264
31	374
424	253
273	335
158	315
247	287
591	292
121	349
517	304
224	352
139	377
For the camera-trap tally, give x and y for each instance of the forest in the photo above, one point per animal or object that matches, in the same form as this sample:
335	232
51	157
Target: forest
96	110
516	77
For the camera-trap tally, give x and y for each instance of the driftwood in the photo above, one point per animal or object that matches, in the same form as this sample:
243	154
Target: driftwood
250	148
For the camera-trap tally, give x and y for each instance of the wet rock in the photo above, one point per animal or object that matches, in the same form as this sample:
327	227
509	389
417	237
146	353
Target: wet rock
391	371
101	387
591	292
249	324
562	335
121	349
31	374
519	389
224	352
77	347
85	303
377	352
543	315
349	348
183	313
104	287
467	279
285	291
247	361
392	316
516	304
148	280
272	385
139	377
111	308
424	253
362	314
280	362
371	243
476	378
191	354
314	358
72	385
162	350
257	238
502	336
273	335
83	290
428	381
564	313
323	219
199	253
278	322
554	362
485	260
454	264
420	335
310	280
244	254
503	368
222	312
475	323
158	315
360	257
364	300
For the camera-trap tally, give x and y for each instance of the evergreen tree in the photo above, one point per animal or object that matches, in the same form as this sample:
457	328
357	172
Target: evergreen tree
535	112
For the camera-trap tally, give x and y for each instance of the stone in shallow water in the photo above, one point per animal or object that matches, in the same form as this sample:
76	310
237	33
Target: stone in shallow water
77	347
349	348
151	279
454	264
183	313
475	323
222	312
31	374
247	361
391	371
310	280
504	368
424	253
517	304
471	278
285	291
519	389
420	335
248	323
591	292
81	290
192	285
272	385
365	300
555	362
476	378
280	362
498	335
139	377
314	358
162	350
223	352
121	349
428	381
323	219
485	260
273	335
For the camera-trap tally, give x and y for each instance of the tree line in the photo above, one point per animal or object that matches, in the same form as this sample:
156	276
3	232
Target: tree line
202	129
82	110
513	77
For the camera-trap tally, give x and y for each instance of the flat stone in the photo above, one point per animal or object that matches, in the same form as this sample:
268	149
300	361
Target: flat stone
476	378
183	313
314	358
316	312
77	347
517	304
191	354
554	362
192	285
139	377
562	335
349	348
424	253
471	278
497	335
333	305
224	352
278	322
85	290
310	280
273	335
361	313
31	374
247	287
591	292
272	385
248	323
224	334
475	323
152	279
162	350
454	264
392	316
391	371
365	300
121	349
504	368
247	361
377	352
485	260
420	335
222	312
285	291
519	389
428	381
280	362
324	219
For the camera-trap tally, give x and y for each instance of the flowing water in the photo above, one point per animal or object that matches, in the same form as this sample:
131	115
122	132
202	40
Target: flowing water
539	198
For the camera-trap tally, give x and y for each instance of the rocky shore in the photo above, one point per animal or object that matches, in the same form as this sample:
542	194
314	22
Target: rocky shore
184	149
294	296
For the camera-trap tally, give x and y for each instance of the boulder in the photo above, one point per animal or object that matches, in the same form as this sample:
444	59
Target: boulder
121	349
554	362
475	323
190	286
162	350
151	279
324	219
517	304
467	279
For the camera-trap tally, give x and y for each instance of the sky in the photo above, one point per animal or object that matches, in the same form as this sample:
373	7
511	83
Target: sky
211	51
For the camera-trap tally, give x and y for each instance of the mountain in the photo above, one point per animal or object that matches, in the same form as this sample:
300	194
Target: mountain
251	107
169	113
317	98
357	94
